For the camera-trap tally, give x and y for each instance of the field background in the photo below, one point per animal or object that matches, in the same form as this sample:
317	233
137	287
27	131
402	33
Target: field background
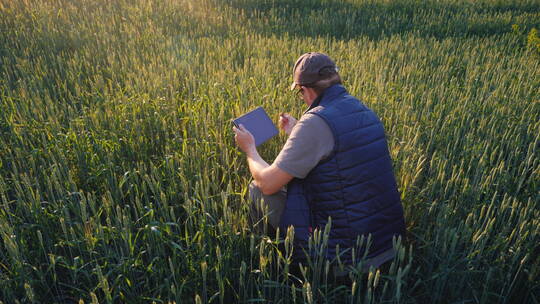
120	181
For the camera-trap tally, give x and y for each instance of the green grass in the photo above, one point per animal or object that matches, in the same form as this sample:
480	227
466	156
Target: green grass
120	180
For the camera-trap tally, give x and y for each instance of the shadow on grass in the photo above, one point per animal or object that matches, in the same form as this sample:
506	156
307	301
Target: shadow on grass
341	19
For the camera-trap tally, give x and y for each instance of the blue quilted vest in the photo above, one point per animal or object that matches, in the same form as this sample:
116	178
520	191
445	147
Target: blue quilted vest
355	185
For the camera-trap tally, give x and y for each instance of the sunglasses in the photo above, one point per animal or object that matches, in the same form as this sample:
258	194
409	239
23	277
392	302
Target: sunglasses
300	93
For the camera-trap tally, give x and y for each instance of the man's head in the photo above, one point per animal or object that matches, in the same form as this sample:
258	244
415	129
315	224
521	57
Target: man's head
313	73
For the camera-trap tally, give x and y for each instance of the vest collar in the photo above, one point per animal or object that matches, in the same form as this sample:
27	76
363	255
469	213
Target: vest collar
328	95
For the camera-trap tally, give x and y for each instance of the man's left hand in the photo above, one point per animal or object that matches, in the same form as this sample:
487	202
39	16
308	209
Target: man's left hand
244	139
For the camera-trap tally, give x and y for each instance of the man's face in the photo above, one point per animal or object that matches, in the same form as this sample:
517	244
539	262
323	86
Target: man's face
300	92
307	94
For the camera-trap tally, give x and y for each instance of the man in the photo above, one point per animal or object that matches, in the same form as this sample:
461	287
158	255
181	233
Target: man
335	164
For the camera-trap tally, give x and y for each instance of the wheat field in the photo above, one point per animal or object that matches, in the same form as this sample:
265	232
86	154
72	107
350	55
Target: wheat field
120	181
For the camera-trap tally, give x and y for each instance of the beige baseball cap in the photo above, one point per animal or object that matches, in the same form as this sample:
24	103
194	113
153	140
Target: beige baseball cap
308	69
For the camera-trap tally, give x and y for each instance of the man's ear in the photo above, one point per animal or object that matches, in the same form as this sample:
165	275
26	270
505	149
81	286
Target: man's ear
311	93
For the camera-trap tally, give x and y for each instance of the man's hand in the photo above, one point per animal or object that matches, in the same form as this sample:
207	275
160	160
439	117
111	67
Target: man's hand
269	178
286	123
244	139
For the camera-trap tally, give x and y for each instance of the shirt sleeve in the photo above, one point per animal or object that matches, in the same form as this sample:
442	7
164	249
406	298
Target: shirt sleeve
311	141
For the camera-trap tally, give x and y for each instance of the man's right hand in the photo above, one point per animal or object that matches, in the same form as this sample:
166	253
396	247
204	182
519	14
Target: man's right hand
286	122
